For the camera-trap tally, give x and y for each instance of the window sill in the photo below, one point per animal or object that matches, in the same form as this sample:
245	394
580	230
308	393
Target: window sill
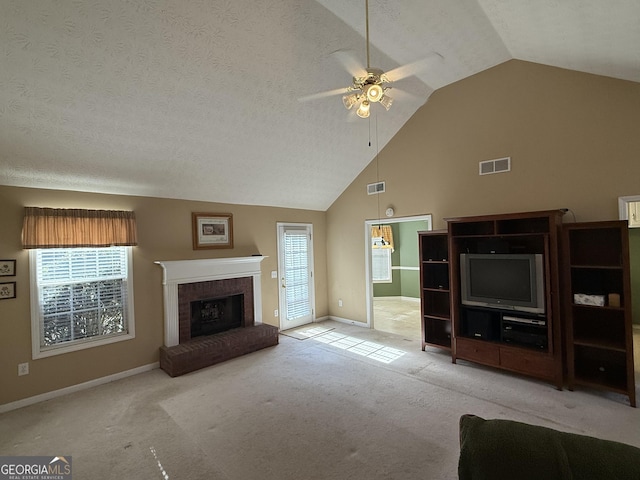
62	349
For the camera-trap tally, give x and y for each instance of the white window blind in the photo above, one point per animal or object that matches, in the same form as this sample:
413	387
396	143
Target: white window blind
296	245
83	294
381	265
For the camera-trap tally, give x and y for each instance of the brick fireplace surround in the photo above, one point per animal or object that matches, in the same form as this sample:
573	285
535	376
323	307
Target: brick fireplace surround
185	281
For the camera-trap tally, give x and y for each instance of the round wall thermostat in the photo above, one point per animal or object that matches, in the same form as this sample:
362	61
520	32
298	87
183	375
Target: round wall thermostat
389	212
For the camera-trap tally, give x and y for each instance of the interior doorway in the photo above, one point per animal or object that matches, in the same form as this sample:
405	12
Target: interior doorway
393	274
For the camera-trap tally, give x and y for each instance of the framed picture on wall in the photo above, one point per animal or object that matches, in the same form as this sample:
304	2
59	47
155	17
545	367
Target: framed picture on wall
7	268
212	230
7	290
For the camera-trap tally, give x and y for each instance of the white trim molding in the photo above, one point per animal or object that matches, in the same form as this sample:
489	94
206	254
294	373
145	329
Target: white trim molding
348	322
25	402
367	256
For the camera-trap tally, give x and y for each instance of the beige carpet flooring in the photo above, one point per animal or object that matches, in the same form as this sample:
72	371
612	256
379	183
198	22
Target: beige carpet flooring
318	408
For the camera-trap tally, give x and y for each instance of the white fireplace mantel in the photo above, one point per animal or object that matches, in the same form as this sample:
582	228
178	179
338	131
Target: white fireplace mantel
177	272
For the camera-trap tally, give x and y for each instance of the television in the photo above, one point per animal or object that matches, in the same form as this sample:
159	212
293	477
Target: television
504	281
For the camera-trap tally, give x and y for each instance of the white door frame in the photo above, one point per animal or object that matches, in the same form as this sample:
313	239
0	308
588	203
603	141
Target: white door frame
368	252
280	227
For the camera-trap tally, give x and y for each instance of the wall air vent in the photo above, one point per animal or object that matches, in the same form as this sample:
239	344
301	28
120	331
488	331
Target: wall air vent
375	188
499	165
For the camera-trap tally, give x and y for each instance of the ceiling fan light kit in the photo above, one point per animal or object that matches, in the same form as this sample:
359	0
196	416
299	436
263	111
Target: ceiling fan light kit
370	89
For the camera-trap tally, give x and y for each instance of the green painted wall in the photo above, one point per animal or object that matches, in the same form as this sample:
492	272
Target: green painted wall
409	258
634	254
406	283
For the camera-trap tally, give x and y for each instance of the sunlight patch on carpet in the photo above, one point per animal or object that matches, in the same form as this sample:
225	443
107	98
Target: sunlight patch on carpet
375	351
306	333
315	331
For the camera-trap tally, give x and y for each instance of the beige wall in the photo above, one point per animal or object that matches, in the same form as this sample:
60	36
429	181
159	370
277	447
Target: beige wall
572	138
573	142
164	233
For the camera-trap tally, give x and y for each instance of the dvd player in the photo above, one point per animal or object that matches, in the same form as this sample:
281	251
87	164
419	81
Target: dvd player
524	338
528	321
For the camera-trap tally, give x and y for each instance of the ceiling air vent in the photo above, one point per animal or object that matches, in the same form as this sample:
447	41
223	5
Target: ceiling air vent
375	188
499	165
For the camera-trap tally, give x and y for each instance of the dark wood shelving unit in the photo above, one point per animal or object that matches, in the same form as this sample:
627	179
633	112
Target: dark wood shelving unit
591	344
435	299
599	338
522	233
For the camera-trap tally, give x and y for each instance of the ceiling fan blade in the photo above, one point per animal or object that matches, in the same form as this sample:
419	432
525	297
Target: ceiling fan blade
319	95
349	61
412	68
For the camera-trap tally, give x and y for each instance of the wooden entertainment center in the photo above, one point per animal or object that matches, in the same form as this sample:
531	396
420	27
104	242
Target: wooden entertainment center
553	337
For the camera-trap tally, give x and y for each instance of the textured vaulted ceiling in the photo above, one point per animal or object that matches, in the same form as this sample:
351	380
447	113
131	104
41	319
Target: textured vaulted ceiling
197	99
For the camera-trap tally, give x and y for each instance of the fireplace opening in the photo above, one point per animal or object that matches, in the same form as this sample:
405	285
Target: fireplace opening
215	315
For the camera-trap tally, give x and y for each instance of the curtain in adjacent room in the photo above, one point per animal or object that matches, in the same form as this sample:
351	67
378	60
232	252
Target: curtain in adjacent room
384	232
64	228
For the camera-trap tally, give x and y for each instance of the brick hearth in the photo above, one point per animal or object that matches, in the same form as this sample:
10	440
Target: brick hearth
194	280
211	349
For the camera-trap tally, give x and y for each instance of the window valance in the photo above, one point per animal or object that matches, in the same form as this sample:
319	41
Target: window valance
385	234
61	227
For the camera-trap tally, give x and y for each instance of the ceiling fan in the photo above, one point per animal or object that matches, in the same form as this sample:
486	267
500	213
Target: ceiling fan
370	85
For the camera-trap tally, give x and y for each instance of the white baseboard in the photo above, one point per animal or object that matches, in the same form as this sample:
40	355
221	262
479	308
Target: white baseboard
348	322
76	388
409	299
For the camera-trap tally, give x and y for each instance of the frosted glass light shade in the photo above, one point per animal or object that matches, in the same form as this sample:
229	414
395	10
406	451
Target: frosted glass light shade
386	101
374	93
363	109
350	100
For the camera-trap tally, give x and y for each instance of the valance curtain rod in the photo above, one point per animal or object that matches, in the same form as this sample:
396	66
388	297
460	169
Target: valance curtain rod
64	228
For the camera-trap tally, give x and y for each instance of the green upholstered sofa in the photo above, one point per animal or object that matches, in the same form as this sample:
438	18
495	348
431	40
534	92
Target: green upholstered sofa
505	449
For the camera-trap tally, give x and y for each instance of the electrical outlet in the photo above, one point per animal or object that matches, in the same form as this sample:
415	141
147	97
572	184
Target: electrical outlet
23	369
275	313
339	302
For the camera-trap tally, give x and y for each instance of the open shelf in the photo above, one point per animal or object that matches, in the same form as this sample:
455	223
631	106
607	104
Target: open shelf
599	326
599	338
597	280
436	303
522	225
584	251
434	247
601	368
435	275
435	296
437	332
481	228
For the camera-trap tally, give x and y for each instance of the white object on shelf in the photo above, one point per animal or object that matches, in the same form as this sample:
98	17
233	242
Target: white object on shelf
584	299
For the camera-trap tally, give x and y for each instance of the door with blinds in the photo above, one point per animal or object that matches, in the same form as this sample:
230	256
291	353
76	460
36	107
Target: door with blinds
295	269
